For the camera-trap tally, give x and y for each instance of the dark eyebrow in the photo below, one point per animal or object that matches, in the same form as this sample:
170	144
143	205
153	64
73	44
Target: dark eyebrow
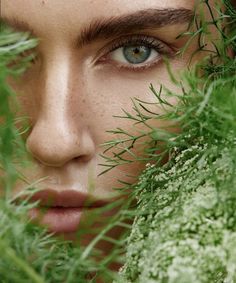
141	20
120	25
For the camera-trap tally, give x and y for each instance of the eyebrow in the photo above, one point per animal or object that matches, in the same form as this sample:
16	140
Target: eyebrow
117	26
140	20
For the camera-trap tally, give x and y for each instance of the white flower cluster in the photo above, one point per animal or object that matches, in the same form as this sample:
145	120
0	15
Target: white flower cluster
187	230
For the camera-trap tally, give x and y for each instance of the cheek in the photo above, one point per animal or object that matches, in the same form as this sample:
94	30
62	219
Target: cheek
111	90
28	102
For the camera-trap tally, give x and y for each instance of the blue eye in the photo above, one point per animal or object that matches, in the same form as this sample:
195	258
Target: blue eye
136	54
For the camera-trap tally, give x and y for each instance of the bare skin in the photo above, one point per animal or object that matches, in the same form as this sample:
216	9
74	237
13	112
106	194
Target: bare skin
81	79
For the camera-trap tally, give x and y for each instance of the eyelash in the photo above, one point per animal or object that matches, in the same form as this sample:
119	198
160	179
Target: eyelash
133	40
136	40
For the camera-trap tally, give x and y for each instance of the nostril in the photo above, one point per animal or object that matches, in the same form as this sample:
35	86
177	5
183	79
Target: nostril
83	158
54	147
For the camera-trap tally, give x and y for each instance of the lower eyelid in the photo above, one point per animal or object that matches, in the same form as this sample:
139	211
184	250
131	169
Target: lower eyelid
161	48
132	67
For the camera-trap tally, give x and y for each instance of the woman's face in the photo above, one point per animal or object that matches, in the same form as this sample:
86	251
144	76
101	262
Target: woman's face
93	56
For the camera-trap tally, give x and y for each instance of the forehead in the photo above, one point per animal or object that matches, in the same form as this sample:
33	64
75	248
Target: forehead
71	13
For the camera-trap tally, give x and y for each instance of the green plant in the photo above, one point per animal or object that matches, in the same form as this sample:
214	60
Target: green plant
28	252
185	223
184	227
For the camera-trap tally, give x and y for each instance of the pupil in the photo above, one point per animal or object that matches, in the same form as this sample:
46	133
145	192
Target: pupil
136	54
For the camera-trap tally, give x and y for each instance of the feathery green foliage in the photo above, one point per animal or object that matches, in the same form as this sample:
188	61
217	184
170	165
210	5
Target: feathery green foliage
185	227
28	252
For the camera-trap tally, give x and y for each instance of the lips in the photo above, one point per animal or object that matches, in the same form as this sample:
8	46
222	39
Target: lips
66	199
57	220
61	211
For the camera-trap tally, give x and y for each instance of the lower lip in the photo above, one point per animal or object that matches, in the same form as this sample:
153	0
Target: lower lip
58	220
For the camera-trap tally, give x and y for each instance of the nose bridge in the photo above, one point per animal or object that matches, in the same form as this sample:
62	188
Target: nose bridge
54	140
55	94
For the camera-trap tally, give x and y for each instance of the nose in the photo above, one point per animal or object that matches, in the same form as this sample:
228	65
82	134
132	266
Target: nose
56	138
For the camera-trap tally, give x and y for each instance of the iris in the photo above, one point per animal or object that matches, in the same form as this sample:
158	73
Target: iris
136	54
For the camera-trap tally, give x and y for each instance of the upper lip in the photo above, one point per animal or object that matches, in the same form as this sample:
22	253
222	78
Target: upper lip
66	199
